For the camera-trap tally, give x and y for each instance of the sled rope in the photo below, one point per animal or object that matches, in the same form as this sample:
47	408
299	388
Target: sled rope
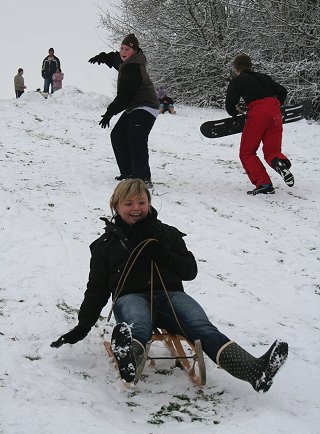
151	291
169	301
125	273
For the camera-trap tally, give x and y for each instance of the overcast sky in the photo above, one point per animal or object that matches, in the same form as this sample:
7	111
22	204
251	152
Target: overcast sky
28	28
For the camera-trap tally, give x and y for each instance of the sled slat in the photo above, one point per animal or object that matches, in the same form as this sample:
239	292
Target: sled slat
174	343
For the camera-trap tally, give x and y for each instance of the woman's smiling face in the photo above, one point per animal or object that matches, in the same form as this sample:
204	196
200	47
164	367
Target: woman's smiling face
134	209
126	52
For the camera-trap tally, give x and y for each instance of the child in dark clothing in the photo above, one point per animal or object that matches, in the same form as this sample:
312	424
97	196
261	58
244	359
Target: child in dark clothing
166	103
263	97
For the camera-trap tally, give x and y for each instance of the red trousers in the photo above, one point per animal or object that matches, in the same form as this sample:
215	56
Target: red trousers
264	123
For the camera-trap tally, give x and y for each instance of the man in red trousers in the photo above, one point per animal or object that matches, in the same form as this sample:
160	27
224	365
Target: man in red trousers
263	97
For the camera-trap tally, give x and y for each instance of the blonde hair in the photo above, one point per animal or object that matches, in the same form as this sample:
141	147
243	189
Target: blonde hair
126	190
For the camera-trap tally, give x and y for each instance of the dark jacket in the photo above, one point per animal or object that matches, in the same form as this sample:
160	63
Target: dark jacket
134	86
250	86
166	100
110	253
49	67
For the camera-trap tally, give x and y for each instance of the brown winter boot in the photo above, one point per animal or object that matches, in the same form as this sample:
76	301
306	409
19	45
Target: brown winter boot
259	372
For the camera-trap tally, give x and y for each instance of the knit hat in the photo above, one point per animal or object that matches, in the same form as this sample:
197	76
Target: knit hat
131	41
161	93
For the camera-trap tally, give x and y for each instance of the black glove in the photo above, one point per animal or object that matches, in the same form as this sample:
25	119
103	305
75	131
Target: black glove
105	121
154	250
103	58
74	335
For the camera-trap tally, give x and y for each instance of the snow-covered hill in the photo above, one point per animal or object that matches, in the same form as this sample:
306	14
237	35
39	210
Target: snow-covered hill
259	273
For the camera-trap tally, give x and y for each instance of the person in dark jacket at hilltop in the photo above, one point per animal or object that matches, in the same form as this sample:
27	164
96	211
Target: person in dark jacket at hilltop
142	262
136	96
49	67
263	97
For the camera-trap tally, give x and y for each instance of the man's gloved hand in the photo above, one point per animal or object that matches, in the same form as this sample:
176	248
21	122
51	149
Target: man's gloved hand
105	121
72	337
103	58
154	250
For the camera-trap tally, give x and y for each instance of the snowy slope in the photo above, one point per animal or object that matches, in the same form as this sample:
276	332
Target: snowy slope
259	274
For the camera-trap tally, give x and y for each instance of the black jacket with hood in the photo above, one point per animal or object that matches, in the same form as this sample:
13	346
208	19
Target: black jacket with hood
134	86
110	253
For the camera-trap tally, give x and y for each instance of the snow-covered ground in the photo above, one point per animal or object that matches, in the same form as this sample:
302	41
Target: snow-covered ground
259	273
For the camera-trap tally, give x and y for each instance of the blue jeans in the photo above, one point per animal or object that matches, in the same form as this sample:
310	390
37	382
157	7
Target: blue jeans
166	107
135	309
46	86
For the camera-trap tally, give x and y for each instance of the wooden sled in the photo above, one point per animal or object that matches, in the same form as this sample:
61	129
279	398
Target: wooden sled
193	365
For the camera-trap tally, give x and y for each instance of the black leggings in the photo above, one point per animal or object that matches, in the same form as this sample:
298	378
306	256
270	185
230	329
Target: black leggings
129	139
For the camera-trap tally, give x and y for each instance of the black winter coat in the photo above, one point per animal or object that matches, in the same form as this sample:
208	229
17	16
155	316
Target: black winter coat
134	86
109	255
49	67
166	100
250	86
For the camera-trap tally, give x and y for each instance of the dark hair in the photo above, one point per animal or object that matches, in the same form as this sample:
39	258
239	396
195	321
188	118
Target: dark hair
20	70
242	62
51	49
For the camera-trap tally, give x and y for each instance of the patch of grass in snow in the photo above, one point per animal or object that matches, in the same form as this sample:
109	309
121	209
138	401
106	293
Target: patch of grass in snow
183	408
84	375
163	371
132	404
32	358
2	304
63	306
212	397
69	311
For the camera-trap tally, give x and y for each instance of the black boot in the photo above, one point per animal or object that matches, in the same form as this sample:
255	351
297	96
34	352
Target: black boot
282	167
259	372
262	189
122	177
129	353
148	183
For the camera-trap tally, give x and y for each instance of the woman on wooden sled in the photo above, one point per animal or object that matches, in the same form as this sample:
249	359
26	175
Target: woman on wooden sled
142	263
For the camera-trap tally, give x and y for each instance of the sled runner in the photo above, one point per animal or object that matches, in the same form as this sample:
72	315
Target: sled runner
234	125
193	364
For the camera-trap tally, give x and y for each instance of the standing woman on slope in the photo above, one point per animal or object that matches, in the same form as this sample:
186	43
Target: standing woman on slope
137	96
